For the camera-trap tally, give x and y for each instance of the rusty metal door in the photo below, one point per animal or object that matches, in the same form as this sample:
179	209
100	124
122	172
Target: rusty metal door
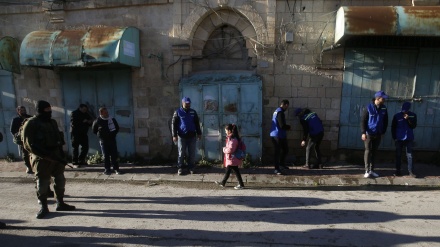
111	89
8	112
405	75
222	98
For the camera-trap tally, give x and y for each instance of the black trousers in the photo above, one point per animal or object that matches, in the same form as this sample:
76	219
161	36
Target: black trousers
237	174
281	150
371	145
110	152
83	141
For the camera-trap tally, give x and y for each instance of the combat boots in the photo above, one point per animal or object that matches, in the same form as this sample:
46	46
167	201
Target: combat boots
62	206
44	209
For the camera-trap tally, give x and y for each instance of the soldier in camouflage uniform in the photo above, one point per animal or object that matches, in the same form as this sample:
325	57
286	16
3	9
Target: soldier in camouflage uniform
42	138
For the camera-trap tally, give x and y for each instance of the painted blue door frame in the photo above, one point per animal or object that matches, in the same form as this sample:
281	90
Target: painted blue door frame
111	89
406	75
7	113
222	98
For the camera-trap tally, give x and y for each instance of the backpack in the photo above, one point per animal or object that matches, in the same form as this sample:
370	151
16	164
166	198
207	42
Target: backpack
240	152
18	136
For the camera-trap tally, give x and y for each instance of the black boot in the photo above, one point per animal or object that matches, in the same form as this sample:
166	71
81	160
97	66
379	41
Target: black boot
61	206
50	193
44	209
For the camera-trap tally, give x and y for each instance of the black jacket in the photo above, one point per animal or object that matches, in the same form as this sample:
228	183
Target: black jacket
100	128
77	125
16	123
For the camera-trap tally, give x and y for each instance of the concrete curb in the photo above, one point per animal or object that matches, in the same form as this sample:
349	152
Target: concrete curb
295	177
250	179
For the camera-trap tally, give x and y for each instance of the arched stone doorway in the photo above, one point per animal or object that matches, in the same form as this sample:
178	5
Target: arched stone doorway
225	49
223	83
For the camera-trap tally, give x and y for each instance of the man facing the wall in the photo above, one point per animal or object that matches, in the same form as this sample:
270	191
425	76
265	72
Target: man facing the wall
278	136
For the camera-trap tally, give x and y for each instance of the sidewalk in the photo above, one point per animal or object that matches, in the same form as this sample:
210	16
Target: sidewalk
337	174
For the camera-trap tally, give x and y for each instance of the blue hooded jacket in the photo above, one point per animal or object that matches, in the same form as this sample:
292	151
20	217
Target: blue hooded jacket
277	129
401	128
314	123
377	119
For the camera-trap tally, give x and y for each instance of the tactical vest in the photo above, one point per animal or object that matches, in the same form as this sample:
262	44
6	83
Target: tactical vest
48	136
187	126
376	119
275	130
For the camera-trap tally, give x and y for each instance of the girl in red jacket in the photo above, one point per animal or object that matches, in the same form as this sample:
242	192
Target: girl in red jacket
230	161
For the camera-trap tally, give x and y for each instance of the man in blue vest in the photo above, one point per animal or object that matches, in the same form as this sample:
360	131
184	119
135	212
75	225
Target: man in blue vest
402	131
374	122
278	136
186	130
312	128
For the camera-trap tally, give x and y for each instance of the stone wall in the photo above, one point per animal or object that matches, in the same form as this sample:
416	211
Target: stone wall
296	70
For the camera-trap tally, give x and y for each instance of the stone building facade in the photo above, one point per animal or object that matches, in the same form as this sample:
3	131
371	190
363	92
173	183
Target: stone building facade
280	41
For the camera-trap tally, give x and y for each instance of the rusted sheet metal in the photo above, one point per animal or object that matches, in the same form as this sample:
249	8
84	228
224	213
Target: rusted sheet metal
67	48
35	48
9	60
103	44
387	21
80	48
419	21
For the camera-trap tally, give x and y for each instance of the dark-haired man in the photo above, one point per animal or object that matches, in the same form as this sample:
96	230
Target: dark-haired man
185	128
80	121
15	127
313	129
106	128
278	135
374	122
402	126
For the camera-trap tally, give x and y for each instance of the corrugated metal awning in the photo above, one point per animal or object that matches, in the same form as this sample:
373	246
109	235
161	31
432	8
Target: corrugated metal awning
81	48
387	21
9	49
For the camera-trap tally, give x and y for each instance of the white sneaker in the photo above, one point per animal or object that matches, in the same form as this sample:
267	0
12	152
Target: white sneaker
179	172
373	174
238	187
366	175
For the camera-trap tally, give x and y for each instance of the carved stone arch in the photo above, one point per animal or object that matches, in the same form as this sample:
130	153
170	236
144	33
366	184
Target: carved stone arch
244	18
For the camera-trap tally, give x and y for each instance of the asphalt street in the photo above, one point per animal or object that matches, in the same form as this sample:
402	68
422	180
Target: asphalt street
116	213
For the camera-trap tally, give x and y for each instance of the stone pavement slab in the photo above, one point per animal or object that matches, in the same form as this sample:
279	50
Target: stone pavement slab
337	174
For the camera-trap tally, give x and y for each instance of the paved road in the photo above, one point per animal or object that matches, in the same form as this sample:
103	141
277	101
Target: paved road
201	214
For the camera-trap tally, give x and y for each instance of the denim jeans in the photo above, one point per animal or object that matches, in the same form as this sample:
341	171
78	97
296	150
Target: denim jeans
371	145
187	149
399	146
